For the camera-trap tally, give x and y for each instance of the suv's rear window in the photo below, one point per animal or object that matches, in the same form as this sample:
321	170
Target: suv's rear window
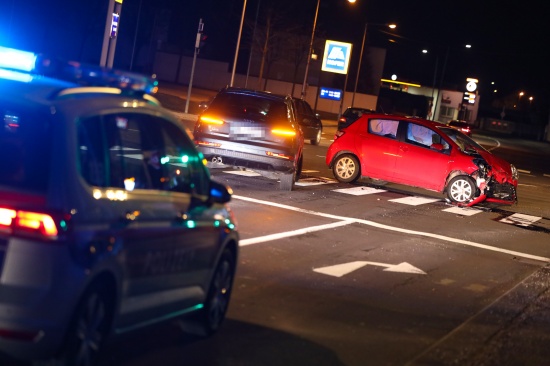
252	107
25	139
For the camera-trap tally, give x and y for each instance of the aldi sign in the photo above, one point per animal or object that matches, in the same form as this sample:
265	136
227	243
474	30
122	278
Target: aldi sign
337	57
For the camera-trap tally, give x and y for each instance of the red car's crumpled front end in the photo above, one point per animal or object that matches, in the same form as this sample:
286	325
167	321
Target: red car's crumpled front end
499	181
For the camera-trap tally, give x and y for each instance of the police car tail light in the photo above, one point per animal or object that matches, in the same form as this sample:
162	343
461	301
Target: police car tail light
27	222
17	60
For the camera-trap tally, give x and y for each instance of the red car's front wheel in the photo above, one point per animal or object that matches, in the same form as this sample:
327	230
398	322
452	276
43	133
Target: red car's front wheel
346	168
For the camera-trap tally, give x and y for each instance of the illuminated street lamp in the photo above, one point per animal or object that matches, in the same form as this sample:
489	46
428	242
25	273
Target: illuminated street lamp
391	26
310	52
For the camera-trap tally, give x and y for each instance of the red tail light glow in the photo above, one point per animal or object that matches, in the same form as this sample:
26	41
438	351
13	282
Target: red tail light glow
206	143
277	155
29	222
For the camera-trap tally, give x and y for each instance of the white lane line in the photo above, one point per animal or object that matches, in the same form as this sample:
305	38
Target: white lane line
524	171
396	229
261	239
546	175
359	191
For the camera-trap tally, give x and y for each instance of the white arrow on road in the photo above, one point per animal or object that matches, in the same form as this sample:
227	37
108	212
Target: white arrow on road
340	270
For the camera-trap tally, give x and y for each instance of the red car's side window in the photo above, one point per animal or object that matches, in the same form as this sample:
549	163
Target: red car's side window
383	127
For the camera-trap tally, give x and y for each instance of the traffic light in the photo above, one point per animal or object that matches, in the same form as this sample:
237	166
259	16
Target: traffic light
202	40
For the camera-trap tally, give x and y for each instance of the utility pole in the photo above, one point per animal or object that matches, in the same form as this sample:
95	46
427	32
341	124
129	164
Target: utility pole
112	23
197	48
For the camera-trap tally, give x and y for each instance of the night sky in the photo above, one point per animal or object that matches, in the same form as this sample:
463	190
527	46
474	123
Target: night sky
508	38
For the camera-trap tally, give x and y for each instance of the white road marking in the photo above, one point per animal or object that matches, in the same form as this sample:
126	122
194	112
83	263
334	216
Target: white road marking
261	239
309	171
546	175
396	229
245	173
340	270
524	171
520	219
414	200
464	211
359	191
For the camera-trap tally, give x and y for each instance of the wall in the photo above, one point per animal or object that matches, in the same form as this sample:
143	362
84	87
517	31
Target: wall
214	75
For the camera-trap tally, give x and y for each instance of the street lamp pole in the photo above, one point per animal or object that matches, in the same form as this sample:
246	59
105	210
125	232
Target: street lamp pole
310	51
238	44
392	26
359	66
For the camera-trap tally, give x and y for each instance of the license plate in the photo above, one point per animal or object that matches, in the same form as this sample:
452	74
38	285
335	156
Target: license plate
246	133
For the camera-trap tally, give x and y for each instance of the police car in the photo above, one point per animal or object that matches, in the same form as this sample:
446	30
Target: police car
109	220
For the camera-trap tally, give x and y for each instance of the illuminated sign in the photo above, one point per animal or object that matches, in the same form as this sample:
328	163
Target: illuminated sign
332	94
471	86
114	25
337	56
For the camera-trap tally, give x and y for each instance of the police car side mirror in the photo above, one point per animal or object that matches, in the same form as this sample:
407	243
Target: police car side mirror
219	193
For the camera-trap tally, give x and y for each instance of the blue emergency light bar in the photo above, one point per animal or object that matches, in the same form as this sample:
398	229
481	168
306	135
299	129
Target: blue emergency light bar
82	74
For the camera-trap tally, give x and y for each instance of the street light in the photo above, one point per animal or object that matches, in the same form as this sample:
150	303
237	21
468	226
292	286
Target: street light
238	44
391	26
310	52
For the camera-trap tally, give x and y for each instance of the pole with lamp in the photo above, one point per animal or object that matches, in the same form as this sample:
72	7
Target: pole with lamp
391	26
238	44
310	51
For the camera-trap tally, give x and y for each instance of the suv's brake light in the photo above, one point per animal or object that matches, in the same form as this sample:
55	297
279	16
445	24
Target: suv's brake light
211	120
283	132
28	222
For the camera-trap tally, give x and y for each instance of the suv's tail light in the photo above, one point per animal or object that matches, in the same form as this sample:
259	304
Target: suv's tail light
211	120
283	132
30	223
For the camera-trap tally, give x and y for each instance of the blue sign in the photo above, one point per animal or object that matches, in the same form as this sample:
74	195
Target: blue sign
337	57
332	94
114	24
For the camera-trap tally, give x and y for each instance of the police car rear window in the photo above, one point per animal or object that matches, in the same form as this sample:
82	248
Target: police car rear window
25	140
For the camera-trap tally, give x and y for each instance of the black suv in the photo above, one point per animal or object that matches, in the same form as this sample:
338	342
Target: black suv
109	220
255	130
350	115
309	122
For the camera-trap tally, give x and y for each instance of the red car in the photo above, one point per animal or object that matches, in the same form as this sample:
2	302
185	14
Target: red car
421	153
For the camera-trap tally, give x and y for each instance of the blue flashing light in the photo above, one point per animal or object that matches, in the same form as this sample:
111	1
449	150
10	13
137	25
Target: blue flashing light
82	74
16	59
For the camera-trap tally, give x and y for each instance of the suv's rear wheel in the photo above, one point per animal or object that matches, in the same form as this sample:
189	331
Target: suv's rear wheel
317	138
346	168
461	189
287	180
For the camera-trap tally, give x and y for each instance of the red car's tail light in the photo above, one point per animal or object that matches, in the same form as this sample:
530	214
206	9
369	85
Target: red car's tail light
338	134
28	222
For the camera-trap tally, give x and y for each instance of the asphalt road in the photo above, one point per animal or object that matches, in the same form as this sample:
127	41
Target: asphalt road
342	274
